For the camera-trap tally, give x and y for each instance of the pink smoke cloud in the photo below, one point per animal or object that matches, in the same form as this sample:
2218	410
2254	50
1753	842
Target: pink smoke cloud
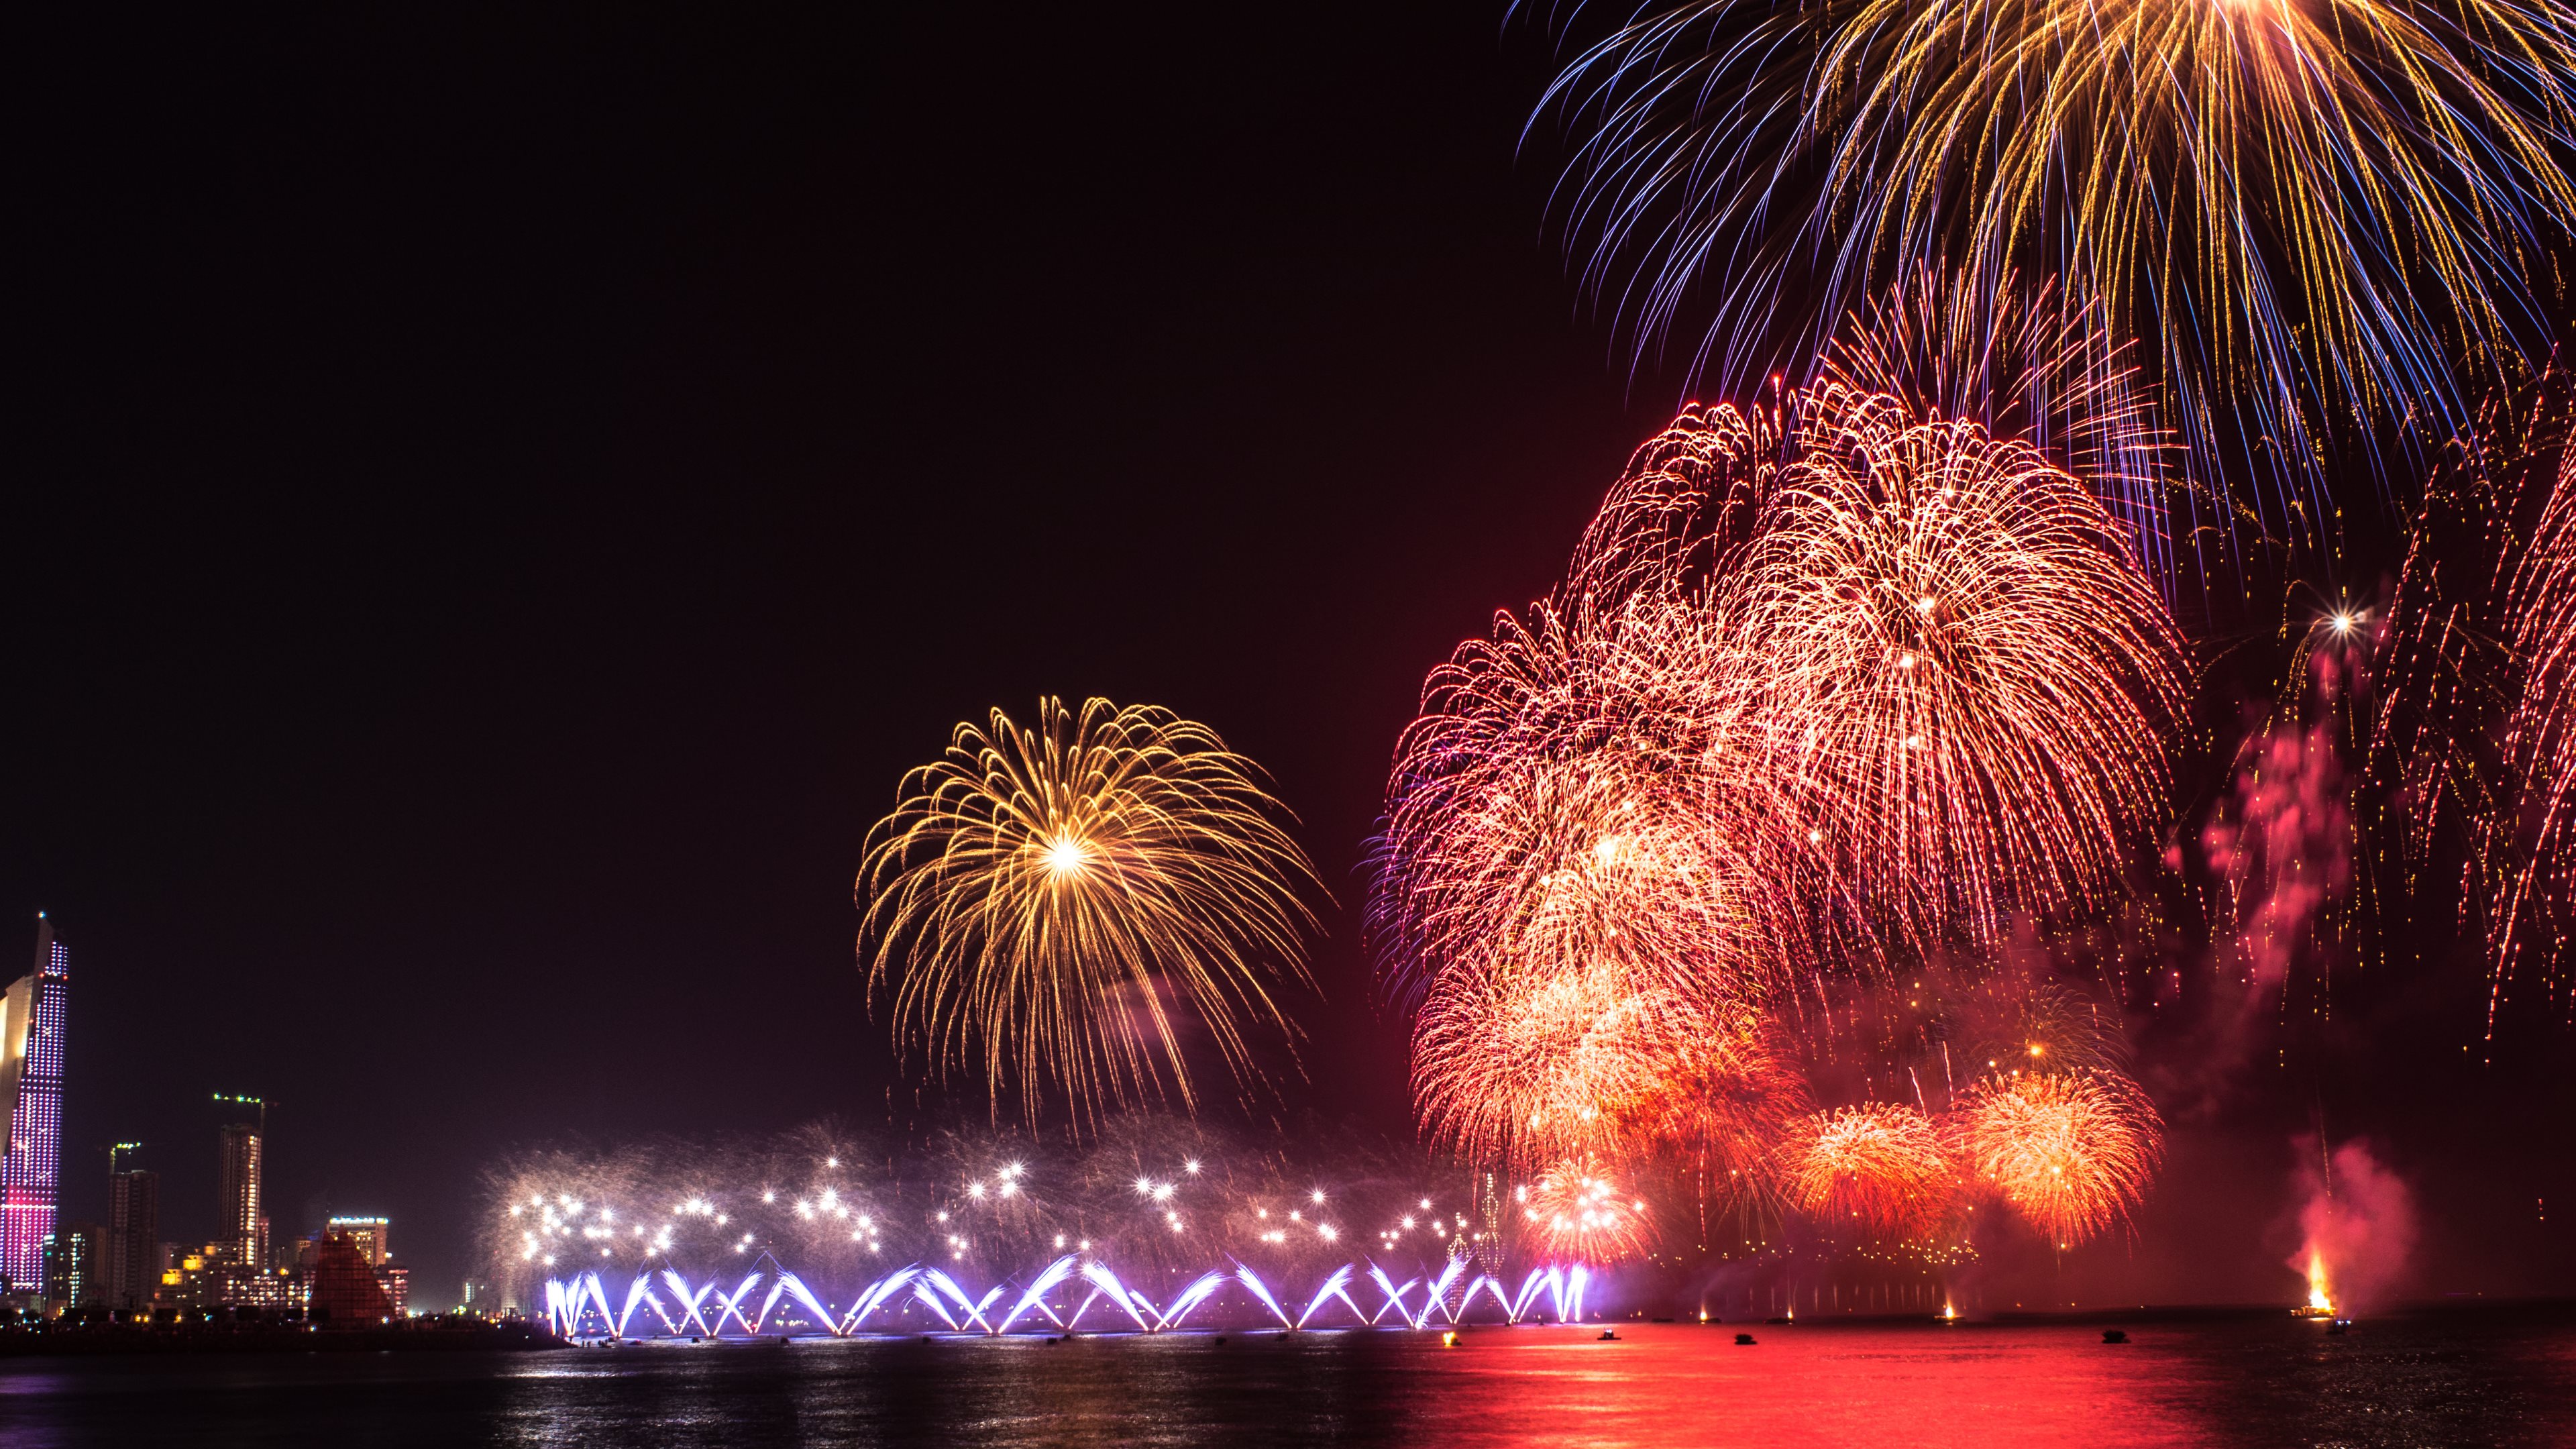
2356	1218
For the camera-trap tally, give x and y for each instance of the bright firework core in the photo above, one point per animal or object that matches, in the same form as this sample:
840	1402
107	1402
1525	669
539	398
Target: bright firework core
1056	908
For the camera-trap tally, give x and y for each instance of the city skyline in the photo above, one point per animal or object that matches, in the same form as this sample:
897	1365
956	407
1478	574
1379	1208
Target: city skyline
119	1258
492	563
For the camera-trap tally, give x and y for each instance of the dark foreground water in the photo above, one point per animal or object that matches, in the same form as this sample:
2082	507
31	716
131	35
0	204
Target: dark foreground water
2499	1377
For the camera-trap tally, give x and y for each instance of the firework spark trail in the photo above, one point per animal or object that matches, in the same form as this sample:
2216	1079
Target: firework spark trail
1881	1166
1049	902
2535	893
2070	1151
2295	207
2470	742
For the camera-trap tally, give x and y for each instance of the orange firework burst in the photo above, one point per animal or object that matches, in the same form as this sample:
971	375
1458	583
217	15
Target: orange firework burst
2070	1151
1966	681
1727	1102
1059	895
1577	1213
1882	1167
1521	1066
1828	672
1576	920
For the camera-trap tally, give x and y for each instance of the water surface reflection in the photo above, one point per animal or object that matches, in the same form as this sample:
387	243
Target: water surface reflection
2492	1378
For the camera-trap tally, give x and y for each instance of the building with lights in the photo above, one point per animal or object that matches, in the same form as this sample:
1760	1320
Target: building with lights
31	1103
346	1291
215	1278
370	1235
373	1239
130	1265
71	1267
241	1219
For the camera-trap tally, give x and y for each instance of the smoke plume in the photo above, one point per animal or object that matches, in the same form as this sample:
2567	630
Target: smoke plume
2357	1223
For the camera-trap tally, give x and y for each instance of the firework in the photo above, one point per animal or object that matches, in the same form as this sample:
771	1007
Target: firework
1563	891
2535	846
1519	1066
2038	1026
1061	906
1829	673
1551	806
1581	1216
2070	1151
979	1230
1966	682
1882	1168
2293	206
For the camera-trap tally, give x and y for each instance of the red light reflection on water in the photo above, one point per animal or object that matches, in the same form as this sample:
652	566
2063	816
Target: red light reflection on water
1668	1384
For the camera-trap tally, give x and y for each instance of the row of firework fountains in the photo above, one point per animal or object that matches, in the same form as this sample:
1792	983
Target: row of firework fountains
1062	1294
837	1237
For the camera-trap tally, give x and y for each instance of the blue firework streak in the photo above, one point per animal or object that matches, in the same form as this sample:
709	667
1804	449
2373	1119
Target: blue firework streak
2312	216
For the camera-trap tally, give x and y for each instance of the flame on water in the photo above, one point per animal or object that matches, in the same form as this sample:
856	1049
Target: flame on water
2318	1298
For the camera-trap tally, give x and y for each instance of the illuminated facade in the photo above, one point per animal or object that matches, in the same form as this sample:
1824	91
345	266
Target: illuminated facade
370	1235
31	1090
242	1213
71	1267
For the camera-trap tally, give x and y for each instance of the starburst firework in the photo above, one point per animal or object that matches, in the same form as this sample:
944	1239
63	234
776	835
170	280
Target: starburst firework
1576	1212
1966	680
1881	1167
1060	906
2070	1151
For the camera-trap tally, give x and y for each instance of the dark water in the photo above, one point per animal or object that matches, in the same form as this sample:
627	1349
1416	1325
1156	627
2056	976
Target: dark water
2435	1379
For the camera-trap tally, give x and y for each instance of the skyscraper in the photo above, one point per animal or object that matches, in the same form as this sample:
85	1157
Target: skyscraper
241	1215
31	1091
132	1263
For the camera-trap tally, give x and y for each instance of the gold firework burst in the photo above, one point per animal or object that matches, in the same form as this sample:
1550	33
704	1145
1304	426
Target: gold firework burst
1062	906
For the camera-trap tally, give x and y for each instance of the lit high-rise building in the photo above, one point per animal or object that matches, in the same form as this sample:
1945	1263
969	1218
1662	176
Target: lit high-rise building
132	1263
241	1217
31	1092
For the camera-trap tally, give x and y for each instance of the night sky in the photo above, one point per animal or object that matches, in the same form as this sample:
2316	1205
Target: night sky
497	500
